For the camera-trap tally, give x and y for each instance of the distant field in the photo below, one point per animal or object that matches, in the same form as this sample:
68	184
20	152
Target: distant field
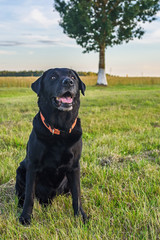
120	166
89	81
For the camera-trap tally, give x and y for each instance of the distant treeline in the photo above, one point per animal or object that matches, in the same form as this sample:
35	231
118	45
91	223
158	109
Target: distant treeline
34	73
20	73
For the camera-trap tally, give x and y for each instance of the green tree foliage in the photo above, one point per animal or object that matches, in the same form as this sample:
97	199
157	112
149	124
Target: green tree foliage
98	24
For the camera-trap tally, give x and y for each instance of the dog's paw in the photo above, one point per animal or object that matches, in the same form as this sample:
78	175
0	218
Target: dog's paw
85	218
25	220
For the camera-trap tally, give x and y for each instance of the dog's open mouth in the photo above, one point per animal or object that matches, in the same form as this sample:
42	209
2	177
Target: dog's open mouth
65	98
64	102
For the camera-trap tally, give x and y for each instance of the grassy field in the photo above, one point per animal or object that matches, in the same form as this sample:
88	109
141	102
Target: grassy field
89	80
120	166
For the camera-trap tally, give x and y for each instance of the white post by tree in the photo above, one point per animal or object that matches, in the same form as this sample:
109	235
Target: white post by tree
102	80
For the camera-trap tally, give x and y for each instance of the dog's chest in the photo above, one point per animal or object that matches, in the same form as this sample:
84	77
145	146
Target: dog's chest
57	156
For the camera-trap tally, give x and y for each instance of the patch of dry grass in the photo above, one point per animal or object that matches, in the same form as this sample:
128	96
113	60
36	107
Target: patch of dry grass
16	81
88	80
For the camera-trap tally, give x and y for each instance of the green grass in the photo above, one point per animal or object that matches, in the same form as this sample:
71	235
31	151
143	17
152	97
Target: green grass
120	166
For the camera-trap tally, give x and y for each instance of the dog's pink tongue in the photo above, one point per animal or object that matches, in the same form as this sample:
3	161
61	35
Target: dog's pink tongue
65	100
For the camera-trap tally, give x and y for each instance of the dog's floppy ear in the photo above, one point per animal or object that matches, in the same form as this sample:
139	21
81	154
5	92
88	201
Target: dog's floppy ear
82	86
36	86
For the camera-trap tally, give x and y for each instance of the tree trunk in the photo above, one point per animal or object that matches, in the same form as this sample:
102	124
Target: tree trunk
102	80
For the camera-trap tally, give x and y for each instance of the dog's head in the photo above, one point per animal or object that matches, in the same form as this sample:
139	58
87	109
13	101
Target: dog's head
60	86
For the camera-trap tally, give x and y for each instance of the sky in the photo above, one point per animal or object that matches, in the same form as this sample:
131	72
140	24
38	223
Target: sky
31	39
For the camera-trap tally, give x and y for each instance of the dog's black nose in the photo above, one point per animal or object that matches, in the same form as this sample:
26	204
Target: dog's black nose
67	82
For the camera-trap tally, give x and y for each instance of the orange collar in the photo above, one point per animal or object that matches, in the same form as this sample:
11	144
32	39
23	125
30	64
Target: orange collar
55	130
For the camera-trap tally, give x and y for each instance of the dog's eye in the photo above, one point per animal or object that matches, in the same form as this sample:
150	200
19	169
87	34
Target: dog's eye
73	77
53	77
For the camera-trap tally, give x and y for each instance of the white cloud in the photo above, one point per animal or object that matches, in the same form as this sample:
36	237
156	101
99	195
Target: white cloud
158	14
3	52
37	16
31	36
44	40
152	33
30	52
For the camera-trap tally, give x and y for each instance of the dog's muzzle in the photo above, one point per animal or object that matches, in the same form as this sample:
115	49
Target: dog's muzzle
64	102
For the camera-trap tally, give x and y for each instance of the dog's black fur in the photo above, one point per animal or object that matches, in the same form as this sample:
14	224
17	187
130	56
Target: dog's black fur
51	166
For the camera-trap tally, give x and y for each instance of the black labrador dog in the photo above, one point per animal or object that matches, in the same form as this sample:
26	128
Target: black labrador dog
51	166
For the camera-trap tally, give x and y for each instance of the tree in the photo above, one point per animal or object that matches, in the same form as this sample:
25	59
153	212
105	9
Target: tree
98	24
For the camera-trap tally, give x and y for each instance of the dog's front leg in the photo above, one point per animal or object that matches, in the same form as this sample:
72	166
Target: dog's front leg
74	183
25	217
